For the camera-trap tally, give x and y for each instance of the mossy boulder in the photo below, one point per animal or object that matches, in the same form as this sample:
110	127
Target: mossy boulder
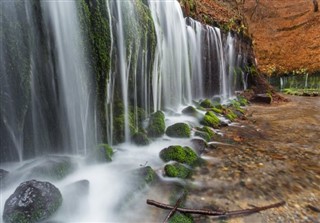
211	120
206	103
177	170
143	176
180	154
50	168
190	110
207	130
140	139
33	201
180	218
179	130
203	135
156	126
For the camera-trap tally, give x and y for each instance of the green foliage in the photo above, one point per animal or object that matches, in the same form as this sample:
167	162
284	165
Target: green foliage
211	120
156	126
177	170
230	115
179	130
180	154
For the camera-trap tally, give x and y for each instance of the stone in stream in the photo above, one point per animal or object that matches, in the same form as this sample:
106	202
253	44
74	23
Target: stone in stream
32	201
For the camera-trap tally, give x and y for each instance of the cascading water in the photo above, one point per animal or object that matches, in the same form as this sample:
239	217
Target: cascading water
54	99
172	77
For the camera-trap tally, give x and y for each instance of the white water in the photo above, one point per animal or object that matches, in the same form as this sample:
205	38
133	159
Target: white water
73	74
172	76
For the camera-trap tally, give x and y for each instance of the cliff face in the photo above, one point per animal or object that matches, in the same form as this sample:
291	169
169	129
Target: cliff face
285	34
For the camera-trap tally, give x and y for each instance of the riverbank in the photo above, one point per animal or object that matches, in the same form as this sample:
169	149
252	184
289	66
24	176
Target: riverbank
271	156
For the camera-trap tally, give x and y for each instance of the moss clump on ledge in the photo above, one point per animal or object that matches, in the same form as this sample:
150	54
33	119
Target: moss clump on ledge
179	130
211	120
203	135
156	126
177	170
180	154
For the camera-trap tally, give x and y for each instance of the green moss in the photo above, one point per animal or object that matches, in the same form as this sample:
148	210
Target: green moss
207	130
206	103
211	120
216	110
180	154
140	139
180	218
177	170
243	101
179	130
230	115
156	126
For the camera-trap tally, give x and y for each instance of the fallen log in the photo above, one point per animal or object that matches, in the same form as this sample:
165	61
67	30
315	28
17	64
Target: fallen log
171	213
216	214
313	208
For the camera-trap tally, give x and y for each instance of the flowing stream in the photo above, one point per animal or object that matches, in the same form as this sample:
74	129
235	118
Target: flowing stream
54	100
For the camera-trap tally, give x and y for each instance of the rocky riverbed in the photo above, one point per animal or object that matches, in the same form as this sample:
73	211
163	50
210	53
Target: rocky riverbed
272	155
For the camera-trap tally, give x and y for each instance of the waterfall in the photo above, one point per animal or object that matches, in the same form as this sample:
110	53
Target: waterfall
172	76
67	85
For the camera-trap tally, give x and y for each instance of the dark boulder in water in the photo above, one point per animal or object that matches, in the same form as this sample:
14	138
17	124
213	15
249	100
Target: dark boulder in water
32	201
3	174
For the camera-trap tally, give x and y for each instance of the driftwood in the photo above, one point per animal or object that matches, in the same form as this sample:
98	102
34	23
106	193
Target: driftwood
215	214
173	210
313	208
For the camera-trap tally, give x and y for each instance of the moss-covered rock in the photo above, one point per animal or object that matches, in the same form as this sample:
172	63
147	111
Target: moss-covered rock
156	126
179	130
50	168
180	218
206	103
140	139
190	110
242	101
144	175
207	130
177	170
33	201
203	135
211	120
229	114
180	154
217	110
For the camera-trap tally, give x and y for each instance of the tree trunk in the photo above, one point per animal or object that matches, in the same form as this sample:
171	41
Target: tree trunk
315	5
